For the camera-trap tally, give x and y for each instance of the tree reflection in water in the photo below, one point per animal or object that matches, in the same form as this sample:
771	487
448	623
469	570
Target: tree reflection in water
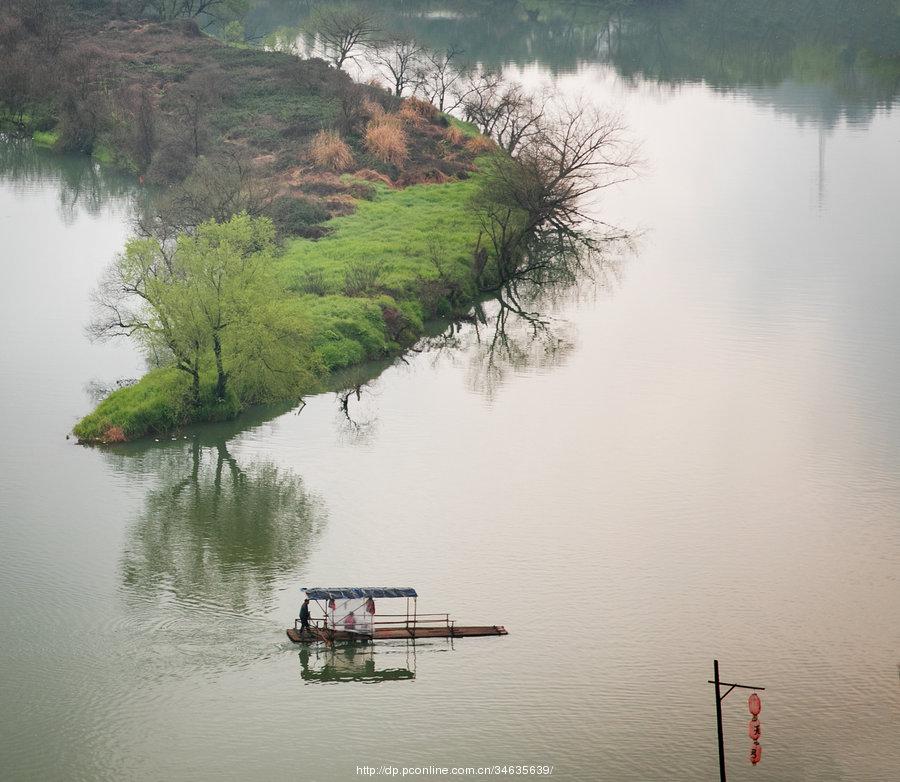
849	50
355	421
83	183
518	330
215	530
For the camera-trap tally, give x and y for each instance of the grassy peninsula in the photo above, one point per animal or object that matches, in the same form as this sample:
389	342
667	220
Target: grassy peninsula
367	192
305	222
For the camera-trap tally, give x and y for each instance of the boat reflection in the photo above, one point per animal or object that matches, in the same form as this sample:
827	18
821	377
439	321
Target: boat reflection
357	663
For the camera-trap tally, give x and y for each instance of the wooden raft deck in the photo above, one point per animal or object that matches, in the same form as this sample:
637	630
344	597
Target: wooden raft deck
397	633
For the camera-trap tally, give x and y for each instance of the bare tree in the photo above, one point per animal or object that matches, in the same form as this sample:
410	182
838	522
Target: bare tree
192	103
441	78
139	126
343	31
500	109
519	118
15	84
217	188
83	97
478	94
400	61
219	10
532	205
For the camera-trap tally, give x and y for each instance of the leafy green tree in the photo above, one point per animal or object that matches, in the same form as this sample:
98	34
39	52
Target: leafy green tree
209	299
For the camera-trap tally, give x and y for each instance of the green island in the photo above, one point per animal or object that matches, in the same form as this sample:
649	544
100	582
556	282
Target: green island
303	223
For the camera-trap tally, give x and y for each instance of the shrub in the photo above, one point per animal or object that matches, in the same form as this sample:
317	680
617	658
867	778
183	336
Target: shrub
417	111
455	136
44	138
115	434
293	216
314	232
342	352
480	144
372	108
387	143
172	163
313	281
403	323
329	151
362	190
361	277
386	119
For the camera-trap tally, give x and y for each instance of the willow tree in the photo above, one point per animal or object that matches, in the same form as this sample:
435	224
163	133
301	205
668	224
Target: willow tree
210	300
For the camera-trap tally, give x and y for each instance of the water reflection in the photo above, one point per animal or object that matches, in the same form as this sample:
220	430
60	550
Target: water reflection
818	59
517	331
357	663
355	421
83	184
499	338
215	530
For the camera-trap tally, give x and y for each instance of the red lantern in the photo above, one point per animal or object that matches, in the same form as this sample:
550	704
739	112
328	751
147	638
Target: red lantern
754	729
755	753
755	704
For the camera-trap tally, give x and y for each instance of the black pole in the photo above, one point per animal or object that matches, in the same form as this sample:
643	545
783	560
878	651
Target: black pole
719	721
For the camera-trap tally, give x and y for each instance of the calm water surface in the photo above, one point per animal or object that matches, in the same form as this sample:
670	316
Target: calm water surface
702	463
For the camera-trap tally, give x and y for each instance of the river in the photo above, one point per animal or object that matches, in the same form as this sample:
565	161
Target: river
700	462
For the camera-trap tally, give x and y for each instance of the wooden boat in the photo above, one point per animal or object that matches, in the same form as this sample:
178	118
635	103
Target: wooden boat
348	614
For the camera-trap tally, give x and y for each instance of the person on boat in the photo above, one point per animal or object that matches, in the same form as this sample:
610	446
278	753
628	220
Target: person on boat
304	616
350	621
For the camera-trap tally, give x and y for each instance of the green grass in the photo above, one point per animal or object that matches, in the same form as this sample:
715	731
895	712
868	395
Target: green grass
45	138
105	154
158	403
413	236
466	127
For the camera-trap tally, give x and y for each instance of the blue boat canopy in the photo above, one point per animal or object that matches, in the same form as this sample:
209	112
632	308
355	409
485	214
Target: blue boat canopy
351	593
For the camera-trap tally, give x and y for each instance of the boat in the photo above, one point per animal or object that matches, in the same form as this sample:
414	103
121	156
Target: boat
351	614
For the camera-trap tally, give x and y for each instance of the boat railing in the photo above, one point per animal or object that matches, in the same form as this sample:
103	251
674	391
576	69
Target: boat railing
415	621
402	621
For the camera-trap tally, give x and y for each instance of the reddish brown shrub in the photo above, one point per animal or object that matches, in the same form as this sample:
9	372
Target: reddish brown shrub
390	120
387	142
418	109
372	108
455	136
114	434
421	176
480	144
327	150
371	175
